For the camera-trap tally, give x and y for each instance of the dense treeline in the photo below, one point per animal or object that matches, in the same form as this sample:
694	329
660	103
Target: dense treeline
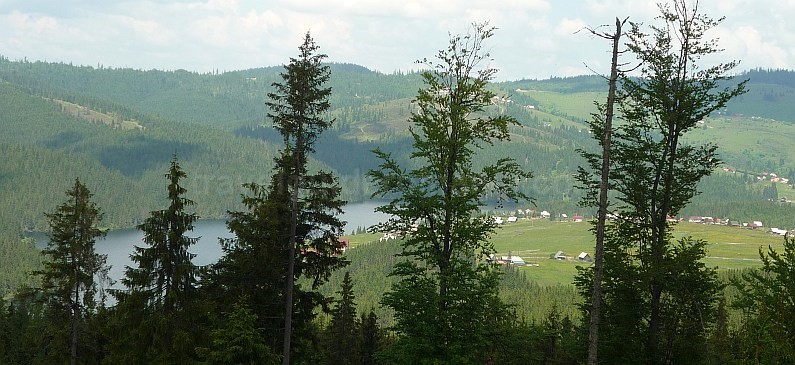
283	290
41	142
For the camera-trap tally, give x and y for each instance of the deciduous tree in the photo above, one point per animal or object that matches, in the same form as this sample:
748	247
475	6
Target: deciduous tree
657	289
446	296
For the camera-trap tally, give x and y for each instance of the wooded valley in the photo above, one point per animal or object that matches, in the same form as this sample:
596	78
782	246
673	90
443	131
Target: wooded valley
228	150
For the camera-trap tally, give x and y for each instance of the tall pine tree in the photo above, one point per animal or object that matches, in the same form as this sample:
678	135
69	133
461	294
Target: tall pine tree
290	228
156	319
69	279
342	335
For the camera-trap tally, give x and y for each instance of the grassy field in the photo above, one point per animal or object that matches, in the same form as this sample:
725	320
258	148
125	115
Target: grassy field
536	241
578	105
729	248
93	116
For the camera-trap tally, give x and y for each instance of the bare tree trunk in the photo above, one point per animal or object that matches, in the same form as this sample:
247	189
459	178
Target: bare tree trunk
75	319
288	293
596	296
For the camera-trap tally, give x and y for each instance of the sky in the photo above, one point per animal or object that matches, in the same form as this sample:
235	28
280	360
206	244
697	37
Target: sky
535	39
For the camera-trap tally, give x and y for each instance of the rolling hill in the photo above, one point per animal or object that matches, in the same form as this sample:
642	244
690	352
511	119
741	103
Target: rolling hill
116	129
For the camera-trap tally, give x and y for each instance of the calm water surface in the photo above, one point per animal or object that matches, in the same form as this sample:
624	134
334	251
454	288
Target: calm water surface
118	244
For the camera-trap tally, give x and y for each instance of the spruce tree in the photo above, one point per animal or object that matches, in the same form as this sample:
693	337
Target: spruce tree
342	336
371	338
72	274
154	309
290	228
238	341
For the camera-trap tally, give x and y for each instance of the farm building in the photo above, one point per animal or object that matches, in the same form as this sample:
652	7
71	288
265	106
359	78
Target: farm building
505	260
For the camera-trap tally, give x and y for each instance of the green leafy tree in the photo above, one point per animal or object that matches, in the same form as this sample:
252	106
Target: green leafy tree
602	126
655	289
72	275
342	335
161	290
445	300
766	297
290	228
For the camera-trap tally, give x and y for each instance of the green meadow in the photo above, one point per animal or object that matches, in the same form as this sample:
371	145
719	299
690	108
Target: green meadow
549	284
536	241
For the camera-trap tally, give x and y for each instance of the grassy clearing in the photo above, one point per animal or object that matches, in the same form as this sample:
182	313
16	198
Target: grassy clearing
579	105
749	137
536	241
551	282
729	248
93	116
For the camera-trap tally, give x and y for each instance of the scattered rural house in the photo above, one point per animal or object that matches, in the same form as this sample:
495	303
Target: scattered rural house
578	218
344	243
498	220
545	214
560	256
584	256
512	219
506	260
780	232
707	220
694	219
671	219
757	224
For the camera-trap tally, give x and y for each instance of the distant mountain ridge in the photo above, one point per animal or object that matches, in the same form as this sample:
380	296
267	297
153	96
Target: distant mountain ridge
371	110
217	125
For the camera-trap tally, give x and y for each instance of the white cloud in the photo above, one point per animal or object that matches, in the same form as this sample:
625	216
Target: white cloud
535	37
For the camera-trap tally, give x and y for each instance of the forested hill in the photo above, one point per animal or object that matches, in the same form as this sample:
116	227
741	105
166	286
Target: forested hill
117	129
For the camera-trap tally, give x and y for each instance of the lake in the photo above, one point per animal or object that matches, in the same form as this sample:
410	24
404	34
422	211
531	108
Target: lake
118	244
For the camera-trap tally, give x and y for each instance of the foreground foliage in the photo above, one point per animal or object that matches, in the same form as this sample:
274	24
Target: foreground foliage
767	299
72	277
658	295
156	310
446	300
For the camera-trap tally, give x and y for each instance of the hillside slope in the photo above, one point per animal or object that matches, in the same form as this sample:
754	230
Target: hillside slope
116	129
